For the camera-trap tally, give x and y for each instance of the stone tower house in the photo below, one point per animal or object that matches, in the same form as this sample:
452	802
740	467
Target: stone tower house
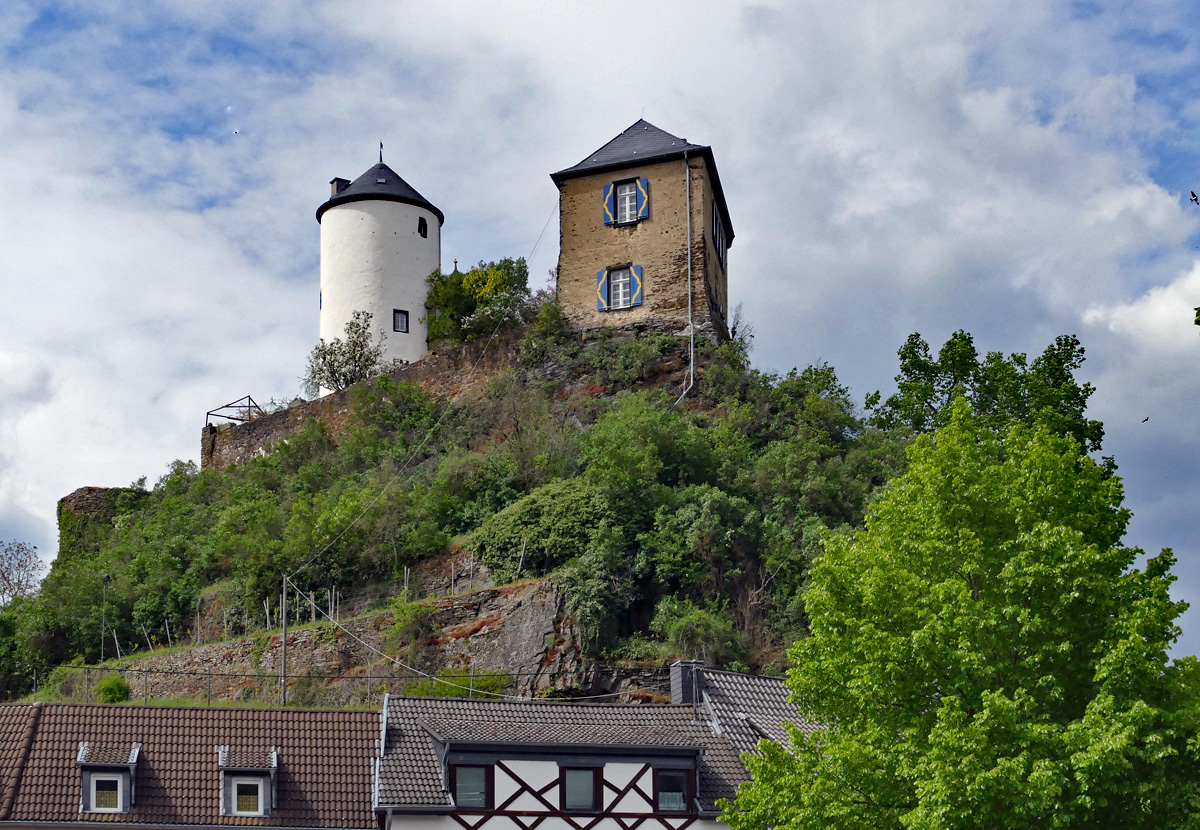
636	218
380	240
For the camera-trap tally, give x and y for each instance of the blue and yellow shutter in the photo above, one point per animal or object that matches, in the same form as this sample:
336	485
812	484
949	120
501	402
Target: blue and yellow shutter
610	204
643	199
602	291
636	288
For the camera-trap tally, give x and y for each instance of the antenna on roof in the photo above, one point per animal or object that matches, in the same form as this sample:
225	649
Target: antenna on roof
381	152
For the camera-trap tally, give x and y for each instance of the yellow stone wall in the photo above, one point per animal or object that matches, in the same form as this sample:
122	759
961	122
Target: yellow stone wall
658	244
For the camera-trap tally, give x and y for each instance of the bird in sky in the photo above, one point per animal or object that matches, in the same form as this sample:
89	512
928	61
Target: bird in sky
1147	418
1195	198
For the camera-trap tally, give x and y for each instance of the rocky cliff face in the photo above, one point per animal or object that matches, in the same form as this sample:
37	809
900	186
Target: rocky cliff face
520	630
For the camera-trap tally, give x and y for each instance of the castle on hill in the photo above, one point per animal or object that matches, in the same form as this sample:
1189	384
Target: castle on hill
644	236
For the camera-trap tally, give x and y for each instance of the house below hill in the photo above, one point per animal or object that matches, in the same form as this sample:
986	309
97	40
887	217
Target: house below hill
420	762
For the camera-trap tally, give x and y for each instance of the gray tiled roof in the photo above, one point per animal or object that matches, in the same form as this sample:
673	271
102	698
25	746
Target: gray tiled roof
640	143
234	757
750	707
380	182
410	774
115	754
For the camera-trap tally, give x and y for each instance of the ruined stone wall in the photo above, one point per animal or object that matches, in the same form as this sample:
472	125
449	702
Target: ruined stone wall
658	244
446	372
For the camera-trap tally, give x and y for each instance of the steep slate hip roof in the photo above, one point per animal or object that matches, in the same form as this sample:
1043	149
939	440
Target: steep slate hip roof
750	707
410	773
644	143
392	188
324	777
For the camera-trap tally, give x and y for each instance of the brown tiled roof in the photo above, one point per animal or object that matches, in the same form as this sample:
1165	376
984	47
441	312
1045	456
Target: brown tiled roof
410	773
751	707
17	723
324	775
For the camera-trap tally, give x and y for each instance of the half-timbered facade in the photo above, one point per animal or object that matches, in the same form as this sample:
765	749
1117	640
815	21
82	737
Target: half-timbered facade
499	765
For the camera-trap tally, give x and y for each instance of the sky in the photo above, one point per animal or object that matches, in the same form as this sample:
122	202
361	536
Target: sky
1016	169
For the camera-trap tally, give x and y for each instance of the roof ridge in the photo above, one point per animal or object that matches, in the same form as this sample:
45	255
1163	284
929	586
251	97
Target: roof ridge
14	780
707	670
599	707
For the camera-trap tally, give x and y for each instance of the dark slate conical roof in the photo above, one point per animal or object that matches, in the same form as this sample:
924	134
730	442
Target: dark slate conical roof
644	143
380	182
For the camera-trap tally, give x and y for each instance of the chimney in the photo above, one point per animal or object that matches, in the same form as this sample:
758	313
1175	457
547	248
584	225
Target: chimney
686	681
337	185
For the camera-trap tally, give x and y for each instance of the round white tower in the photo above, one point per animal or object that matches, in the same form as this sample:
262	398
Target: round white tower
380	239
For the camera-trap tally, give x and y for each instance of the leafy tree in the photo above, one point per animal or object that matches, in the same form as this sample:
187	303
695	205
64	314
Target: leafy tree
696	633
983	655
341	363
20	570
464	305
1001	390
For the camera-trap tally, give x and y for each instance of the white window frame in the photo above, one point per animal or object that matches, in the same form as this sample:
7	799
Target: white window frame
396	312
258	782
618	278
626	199
96	777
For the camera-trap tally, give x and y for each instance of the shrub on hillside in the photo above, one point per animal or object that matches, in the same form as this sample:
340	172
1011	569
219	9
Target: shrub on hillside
695	633
540	531
112	689
461	683
412	623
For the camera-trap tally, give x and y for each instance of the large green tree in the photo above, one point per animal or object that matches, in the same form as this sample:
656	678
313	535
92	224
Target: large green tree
1001	389
985	654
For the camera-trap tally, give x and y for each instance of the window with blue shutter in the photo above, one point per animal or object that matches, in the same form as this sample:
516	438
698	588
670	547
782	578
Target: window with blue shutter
636	298
610	205
643	199
602	290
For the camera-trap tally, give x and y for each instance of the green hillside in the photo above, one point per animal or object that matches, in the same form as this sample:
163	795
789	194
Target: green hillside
682	530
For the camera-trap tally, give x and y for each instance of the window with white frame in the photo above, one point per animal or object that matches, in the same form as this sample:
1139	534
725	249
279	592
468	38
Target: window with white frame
106	791
627	210
247	797
400	320
620	288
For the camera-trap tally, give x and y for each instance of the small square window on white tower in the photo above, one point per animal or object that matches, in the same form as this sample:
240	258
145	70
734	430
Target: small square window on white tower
400	320
620	288
627	202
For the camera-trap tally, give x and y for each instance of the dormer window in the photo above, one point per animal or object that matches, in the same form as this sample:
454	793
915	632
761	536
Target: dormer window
107	789
247	780
673	790
472	786
247	796
106	775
